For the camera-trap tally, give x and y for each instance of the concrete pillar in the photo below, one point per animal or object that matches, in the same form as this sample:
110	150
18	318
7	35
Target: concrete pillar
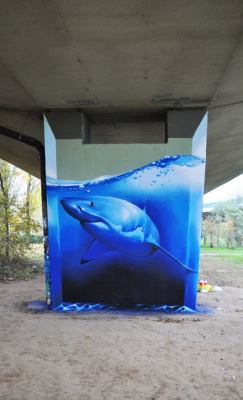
128	141
72	155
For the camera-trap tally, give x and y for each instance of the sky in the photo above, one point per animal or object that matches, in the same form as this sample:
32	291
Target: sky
228	191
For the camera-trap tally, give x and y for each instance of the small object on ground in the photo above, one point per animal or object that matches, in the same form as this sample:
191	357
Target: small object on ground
216	289
37	305
204	287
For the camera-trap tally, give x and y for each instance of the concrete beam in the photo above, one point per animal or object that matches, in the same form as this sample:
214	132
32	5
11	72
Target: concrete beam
105	58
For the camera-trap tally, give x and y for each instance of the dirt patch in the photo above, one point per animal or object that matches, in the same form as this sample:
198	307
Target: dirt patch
171	320
221	272
114	357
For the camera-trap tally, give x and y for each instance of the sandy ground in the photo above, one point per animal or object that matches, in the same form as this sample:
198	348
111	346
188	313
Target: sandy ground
116	357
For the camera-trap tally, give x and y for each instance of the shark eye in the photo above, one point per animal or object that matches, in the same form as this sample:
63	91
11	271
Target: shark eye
91	204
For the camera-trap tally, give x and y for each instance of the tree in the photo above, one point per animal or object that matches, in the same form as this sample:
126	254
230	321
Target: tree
209	229
5	204
18	203
8	200
31	203
224	225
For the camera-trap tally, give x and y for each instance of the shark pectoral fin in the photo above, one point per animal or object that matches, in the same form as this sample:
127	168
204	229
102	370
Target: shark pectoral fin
158	247
96	249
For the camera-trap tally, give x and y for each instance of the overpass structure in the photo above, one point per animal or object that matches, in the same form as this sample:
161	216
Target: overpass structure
126	81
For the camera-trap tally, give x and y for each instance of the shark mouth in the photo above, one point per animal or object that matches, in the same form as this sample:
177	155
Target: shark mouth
91	221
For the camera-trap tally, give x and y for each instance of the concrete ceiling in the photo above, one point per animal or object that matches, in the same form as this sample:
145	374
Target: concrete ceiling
142	55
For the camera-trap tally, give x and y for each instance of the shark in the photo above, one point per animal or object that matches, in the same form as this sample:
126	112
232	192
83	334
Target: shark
117	225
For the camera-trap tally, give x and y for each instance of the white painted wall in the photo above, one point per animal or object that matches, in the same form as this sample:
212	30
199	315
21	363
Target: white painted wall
80	162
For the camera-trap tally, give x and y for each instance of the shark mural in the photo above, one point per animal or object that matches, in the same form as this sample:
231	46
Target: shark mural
128	240
117	225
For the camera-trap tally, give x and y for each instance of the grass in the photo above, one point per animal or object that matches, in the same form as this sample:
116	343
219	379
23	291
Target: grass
22	268
235	254
222	250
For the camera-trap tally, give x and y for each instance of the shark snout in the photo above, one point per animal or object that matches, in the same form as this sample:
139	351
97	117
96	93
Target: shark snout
66	203
78	210
68	206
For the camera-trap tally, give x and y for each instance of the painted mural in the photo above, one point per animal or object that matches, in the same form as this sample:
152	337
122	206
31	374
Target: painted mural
130	240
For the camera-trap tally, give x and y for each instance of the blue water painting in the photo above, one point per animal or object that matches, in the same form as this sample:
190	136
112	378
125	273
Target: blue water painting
130	239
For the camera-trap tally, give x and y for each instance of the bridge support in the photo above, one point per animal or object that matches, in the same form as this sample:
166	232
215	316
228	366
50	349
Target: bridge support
80	149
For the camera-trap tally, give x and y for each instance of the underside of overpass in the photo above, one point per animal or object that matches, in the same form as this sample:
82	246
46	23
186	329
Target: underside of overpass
123	70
